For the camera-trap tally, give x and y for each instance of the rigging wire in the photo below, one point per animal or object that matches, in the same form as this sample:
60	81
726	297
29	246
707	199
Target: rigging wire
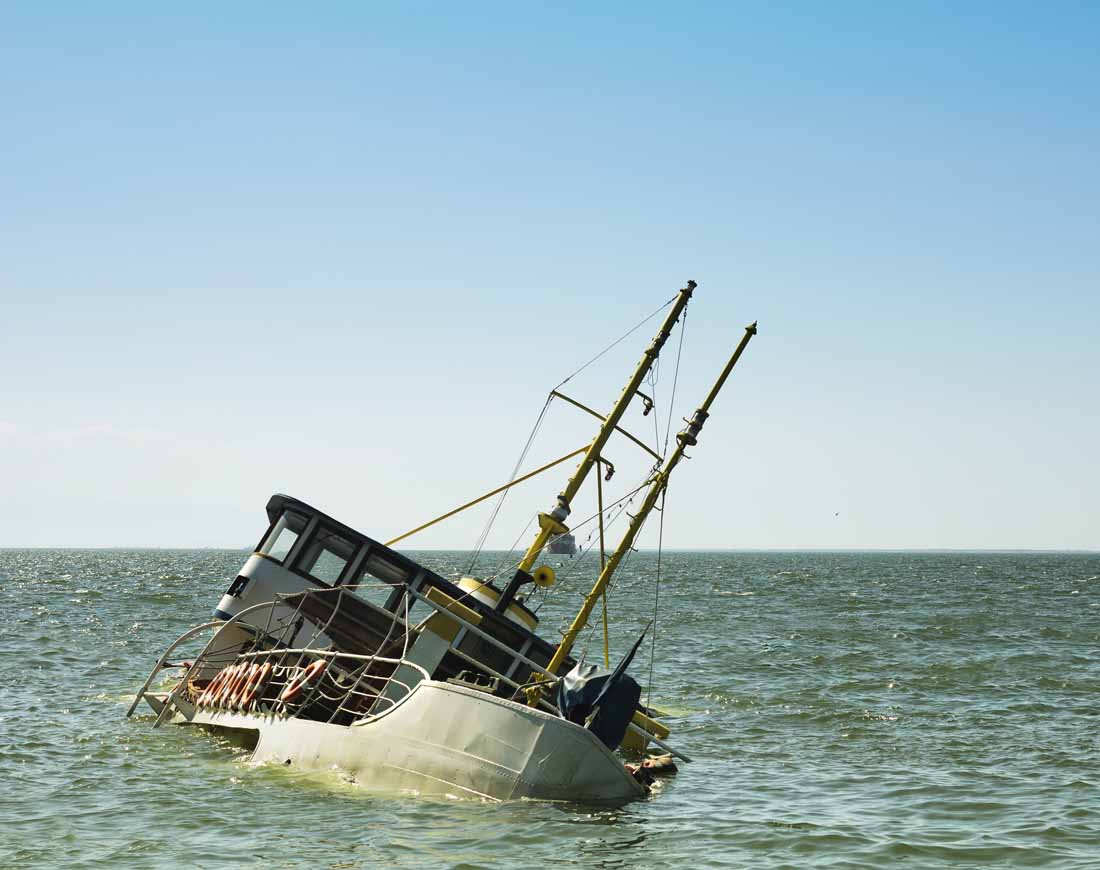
622	503
675	380
534	431
622	567
656	410
512	549
664	495
656	598
610	586
500	502
621	338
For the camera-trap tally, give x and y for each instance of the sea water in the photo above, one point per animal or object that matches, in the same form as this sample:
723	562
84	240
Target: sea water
842	710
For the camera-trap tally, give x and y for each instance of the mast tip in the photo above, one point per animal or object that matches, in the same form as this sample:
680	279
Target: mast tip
751	328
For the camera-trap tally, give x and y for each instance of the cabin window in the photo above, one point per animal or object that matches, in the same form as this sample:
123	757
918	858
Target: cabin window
283	535
376	578
385	569
325	556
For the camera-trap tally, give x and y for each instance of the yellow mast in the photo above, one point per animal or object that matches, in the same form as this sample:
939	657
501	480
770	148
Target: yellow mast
687	438
553	523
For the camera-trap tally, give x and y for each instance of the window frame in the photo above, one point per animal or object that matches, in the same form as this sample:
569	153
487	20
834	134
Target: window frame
315	527
287	559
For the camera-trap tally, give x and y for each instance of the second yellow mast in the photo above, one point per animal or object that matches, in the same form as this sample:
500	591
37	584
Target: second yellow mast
685	439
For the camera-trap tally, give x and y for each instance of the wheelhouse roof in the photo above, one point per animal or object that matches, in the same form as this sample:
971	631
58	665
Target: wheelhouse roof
281	502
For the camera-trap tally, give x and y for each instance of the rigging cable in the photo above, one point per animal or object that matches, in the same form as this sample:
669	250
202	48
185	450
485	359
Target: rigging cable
512	549
622	567
504	495
530	440
621	338
656	598
622	503
653	375
675	380
661	532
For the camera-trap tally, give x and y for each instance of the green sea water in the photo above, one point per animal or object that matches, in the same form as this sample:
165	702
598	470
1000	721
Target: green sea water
843	710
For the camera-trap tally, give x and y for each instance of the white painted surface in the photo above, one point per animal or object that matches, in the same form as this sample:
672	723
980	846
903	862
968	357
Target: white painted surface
266	581
447	739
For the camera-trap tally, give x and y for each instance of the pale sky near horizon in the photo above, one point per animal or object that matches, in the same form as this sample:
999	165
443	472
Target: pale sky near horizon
344	252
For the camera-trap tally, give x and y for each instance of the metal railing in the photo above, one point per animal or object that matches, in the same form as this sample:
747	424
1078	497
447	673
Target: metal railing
350	685
535	666
162	662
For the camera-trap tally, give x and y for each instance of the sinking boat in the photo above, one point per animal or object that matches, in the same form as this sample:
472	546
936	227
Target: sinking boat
331	648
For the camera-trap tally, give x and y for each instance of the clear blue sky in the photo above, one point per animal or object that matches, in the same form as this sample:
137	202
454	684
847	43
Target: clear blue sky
344	251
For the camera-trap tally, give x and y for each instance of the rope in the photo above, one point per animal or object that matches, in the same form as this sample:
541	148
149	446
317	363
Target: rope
610	586
489	494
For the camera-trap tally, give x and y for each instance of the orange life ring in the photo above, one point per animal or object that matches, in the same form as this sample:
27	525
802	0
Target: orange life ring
235	687
255	684
238	690
201	699
227	686
306	675
234	696
215	685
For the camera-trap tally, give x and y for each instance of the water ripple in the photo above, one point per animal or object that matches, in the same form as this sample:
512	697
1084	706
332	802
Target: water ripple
844	710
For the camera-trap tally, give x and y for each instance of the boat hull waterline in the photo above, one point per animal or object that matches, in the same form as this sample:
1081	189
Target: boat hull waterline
441	739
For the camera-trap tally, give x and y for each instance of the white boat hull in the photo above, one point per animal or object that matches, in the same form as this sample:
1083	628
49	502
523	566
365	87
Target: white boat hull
445	739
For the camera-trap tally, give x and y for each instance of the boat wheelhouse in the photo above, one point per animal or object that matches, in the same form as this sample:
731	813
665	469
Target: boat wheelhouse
305	550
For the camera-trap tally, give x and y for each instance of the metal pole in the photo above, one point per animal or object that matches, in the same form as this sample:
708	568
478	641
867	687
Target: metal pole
603	562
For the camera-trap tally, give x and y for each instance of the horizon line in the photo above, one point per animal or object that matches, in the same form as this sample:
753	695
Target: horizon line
994	550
